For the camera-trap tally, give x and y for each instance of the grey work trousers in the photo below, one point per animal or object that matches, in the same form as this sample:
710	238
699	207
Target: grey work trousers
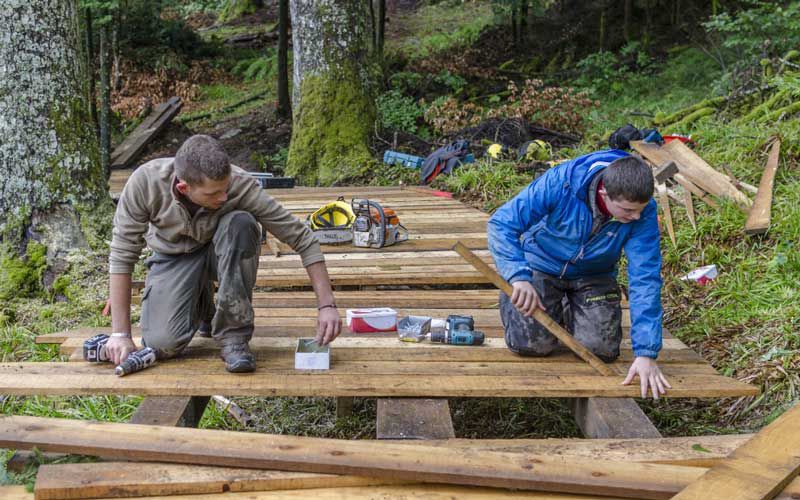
179	289
588	307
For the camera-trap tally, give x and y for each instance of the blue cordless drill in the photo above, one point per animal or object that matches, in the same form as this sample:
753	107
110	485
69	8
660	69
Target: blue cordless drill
459	330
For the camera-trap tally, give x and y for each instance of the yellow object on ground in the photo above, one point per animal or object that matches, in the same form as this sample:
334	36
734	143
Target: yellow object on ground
495	150
538	150
334	215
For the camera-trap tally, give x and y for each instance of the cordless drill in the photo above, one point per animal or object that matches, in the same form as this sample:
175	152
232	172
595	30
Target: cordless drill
459	330
94	350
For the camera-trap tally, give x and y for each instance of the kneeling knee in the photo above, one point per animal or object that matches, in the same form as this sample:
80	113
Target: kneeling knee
535	349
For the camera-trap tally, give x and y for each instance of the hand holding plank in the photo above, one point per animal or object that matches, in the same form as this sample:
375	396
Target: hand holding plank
539	315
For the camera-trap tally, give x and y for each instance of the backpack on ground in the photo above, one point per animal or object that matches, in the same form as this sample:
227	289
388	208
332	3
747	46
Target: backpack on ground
443	160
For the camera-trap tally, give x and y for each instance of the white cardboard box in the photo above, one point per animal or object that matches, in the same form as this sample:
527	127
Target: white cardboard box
310	356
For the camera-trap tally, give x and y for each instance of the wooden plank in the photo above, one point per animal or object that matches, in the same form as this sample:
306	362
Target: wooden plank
663	202
90	480
689	205
613	418
554	328
80	378
665	171
183	411
124	154
411	462
117	479
690	186
360	348
701	173
759	469
761	212
15	493
658	156
414	418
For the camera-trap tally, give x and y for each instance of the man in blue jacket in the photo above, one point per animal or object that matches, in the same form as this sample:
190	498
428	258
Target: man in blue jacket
559	241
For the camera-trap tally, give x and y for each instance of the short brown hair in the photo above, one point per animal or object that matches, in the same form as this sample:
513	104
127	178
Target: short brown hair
201	157
629	178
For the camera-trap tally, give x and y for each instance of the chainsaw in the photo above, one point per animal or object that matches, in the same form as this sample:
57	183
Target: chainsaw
376	227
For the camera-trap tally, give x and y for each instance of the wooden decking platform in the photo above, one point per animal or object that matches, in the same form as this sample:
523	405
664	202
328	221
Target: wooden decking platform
374	365
421	276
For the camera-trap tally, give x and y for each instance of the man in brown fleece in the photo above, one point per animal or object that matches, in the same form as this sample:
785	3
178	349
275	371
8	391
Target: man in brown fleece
202	217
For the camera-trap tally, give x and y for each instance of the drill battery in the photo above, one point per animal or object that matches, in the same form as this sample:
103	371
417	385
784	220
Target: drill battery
94	350
459	330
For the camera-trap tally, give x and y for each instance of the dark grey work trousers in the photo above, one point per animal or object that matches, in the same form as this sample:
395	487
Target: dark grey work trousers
589	308
179	289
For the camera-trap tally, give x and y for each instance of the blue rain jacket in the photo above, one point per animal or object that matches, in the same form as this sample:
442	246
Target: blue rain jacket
546	227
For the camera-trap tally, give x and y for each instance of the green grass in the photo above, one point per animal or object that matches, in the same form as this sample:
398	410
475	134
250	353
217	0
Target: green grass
214	99
432	29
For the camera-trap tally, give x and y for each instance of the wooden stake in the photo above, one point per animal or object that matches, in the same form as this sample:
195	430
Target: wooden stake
687	202
539	315
663	200
761	212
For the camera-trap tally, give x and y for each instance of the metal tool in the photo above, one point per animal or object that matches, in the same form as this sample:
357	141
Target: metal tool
375	227
94	350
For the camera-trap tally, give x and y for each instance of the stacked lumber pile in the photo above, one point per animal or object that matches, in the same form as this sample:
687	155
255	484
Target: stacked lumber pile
681	174
760	467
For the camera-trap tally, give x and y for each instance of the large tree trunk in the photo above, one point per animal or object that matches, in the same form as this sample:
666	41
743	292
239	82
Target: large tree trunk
49	159
284	106
333	90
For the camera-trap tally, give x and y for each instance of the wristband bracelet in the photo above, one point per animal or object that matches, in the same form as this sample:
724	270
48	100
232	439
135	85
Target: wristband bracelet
121	334
326	306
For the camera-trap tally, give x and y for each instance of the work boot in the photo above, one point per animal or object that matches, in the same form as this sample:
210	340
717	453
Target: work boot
238	358
204	330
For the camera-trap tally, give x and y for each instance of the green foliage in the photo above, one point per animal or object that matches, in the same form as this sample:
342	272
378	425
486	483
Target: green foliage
765	29
405	81
21	276
456	83
607	73
399	112
488	182
440	27
259	68
234	9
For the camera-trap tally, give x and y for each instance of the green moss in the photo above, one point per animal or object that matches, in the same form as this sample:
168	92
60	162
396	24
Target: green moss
97	221
234	9
331	129
66	180
21	276
693	117
766	106
713	102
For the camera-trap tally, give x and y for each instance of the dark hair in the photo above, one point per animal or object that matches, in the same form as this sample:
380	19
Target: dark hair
629	178
201	157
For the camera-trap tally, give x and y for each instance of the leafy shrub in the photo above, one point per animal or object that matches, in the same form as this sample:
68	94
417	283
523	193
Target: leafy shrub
455	82
258	68
405	81
558	108
601	72
447	115
764	31
398	111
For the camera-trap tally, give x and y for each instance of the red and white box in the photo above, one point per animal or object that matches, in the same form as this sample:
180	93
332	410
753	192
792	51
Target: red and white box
372	320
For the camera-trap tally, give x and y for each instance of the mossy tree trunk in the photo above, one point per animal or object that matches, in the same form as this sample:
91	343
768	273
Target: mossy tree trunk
333	91
49	157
